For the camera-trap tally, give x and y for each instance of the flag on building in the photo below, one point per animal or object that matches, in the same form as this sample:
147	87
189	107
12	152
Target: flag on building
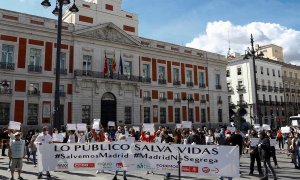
114	64
105	66
120	66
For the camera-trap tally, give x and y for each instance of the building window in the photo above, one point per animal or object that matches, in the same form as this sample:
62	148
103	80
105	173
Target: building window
220	115
268	72
264	98
162	96
227	73
163	115
127	115
127	68
33	89
177	115
146	114
201	79
270	98
146	94
296	75
177	96
275	98
146	71
7	54
4	113
175	75
278	73
239	71
35	57
191	114
33	110
87	64
189	75
63	61
161	73
261	70
273	71
203	115
291	74
86	114
281	99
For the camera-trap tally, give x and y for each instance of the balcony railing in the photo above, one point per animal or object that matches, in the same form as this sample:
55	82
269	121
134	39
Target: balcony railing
5	91
258	87
189	84
114	76
7	66
33	68
146	80
162	81
219	102
177	100
272	103
298	91
202	85
278	103
218	86
275	89
240	88
176	83
241	103
266	103
264	88
147	98
62	94
293	90
270	88
232	105
203	101
162	99
62	71
281	90
287	90
33	93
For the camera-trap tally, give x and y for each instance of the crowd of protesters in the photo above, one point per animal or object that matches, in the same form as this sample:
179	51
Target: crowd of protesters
261	152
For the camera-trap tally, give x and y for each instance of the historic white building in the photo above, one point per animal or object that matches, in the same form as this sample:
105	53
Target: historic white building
159	83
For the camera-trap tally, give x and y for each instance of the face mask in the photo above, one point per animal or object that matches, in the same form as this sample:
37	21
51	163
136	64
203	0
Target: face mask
45	132
147	136
227	135
106	135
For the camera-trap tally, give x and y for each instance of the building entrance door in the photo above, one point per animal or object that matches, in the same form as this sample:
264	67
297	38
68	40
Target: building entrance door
108	109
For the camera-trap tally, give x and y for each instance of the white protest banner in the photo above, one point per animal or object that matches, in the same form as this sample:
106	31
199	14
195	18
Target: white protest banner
231	129
186	124
81	127
178	126
257	127
148	127
209	139
130	139
273	142
71	127
57	137
295	122
254	141
96	124
197	160
14	125
266	127
285	129
136	128
111	124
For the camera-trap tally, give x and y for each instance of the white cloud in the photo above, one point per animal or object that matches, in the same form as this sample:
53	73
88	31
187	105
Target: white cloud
217	34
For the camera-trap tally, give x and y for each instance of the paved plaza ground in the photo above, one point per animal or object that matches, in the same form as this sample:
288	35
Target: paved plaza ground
286	172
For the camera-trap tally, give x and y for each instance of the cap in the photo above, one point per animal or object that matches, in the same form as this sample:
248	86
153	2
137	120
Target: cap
17	134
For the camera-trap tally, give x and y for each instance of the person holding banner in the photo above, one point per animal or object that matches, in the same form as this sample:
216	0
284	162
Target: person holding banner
33	147
121	138
16	153
254	155
41	139
295	149
273	150
264	151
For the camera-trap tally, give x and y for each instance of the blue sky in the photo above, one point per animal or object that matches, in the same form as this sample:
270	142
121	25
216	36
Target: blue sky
186	22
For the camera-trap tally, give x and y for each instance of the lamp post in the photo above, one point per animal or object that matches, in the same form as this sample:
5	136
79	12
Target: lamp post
58	12
255	54
189	99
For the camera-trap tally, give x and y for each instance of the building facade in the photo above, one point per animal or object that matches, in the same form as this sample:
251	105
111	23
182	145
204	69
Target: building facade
107	72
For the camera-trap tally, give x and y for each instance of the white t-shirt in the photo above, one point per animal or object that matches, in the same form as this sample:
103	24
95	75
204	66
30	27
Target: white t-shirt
43	138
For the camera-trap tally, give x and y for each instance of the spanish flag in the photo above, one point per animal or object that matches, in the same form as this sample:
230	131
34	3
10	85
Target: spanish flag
114	64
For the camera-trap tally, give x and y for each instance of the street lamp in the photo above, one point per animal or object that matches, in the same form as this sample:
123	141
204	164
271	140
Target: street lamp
255	54
58	12
189	99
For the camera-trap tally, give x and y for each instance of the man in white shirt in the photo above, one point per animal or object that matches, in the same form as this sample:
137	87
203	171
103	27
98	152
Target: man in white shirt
41	139
16	153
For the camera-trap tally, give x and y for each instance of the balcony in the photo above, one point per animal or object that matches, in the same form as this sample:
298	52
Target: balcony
33	93
272	103
147	98
232	105
219	102
189	84
275	89
5	91
33	68
62	94
202	85
270	88
7	66
230	89
176	83
258	87
242	103
264	88
162	81
218	86
177	100
287	90
62	71
281	90
293	90
266	103
101	75
146	80
277	103
203	101
240	88
163	99
260	102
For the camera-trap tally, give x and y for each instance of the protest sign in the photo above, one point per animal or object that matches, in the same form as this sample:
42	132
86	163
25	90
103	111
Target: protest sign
209	139
199	160
57	137
178	126
254	142
96	124
257	127
136	128
266	127
186	124
111	124
295	123
71	127
148	127
285	129
231	129
81	127
14	125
